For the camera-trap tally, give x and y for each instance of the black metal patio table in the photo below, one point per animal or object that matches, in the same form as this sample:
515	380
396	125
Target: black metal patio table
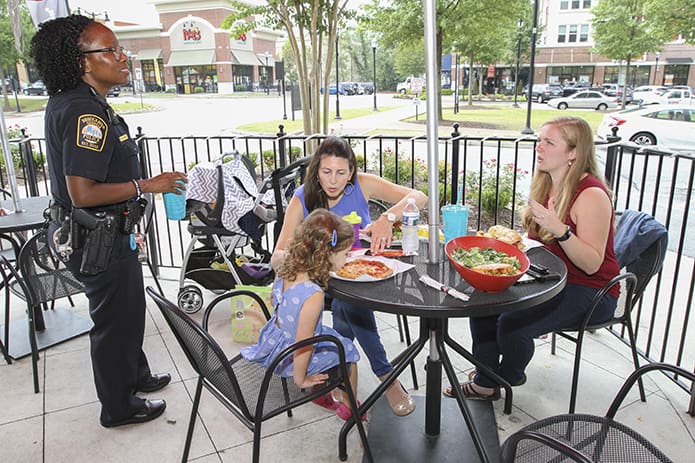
405	294
62	324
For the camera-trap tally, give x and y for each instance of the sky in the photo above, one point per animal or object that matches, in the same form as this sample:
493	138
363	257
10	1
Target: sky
135	11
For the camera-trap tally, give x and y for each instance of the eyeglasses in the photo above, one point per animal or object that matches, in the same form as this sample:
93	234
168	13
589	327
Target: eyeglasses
118	52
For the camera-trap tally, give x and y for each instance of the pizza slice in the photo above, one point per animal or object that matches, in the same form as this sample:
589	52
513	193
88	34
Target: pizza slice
359	267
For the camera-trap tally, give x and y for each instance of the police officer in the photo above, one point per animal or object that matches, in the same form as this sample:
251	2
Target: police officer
94	167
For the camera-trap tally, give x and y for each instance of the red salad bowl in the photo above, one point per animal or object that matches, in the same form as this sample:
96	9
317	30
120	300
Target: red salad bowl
482	281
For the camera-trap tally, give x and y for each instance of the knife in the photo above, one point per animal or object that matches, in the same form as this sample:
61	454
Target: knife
432	283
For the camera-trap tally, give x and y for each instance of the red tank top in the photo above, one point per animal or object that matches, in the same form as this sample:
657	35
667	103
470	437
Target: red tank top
609	268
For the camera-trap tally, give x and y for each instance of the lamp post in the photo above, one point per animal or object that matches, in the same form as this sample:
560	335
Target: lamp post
657	55
534	31
337	82
284	101
520	23
374	70
266	55
129	54
456	81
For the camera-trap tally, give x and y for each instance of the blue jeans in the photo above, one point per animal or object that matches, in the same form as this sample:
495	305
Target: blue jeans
511	335
353	322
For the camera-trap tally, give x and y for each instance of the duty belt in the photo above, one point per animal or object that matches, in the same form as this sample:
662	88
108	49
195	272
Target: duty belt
58	213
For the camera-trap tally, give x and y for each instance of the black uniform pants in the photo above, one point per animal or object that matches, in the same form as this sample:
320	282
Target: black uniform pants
117	308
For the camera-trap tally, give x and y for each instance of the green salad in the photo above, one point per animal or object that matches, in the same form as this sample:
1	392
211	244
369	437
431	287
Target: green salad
476	256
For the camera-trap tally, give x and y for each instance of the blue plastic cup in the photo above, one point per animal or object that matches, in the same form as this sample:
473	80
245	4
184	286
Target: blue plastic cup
454	221
175	204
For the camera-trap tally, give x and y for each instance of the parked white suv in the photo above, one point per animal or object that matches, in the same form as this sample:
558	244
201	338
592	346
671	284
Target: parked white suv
674	96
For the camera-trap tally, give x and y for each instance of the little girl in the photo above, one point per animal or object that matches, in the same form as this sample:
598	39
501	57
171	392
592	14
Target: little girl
320	244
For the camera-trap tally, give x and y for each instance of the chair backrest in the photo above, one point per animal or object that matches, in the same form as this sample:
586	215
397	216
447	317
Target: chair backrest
647	262
645	267
283	180
45	276
204	353
376	208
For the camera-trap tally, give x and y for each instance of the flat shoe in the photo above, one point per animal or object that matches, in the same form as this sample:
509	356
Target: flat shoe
154	383
470	393
345	413
326	401
153	409
405	407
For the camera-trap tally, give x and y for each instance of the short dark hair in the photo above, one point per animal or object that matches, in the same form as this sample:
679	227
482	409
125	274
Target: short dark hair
314	196
56	52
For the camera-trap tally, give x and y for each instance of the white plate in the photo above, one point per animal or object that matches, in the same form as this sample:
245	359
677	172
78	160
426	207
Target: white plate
365	278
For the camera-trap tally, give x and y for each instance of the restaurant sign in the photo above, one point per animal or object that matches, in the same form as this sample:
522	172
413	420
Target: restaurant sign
191	32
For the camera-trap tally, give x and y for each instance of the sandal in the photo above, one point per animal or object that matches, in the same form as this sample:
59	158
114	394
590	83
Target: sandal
522	381
470	393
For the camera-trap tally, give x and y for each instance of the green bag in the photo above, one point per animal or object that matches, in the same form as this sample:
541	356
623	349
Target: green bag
247	316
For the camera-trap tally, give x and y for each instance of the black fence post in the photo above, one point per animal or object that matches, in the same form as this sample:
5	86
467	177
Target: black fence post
150	231
611	157
282	147
454	164
29	165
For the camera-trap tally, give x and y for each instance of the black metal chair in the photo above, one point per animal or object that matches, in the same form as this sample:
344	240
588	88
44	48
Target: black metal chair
588	438
9	250
250	392
41	279
634	281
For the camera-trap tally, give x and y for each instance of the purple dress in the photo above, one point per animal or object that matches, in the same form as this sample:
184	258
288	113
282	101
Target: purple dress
281	331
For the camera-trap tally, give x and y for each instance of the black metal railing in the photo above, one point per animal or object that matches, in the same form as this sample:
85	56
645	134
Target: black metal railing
481	169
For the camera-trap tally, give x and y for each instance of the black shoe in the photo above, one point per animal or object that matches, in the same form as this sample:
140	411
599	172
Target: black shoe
152	410
154	383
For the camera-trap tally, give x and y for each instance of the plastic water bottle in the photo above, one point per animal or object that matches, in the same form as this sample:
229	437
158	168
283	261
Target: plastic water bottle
411	217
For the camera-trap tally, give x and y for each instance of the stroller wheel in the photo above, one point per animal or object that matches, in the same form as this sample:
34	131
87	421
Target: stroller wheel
190	299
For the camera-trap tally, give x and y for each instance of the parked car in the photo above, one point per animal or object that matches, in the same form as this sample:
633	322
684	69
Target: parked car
36	88
368	87
675	96
344	89
114	91
617	91
570	88
544	92
587	99
646	92
671	126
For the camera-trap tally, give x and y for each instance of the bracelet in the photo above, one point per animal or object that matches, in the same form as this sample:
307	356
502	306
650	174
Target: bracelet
138	191
566	236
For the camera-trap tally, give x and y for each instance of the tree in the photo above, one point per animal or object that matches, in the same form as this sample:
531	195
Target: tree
624	30
677	15
478	29
16	31
311	28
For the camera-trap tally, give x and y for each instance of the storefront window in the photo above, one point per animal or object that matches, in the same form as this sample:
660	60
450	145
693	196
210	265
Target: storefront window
152	75
243	78
565	74
676	74
196	79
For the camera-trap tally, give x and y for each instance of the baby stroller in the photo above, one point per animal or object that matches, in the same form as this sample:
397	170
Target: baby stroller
228	211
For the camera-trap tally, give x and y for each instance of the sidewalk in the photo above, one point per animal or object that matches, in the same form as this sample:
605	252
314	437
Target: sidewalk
60	424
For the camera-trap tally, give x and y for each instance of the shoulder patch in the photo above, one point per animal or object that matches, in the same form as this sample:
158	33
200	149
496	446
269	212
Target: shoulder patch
91	132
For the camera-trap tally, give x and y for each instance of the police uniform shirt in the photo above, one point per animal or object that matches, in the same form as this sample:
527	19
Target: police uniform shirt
85	138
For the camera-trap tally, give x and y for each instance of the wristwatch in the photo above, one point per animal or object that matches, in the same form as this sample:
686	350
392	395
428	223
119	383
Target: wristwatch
566	236
390	216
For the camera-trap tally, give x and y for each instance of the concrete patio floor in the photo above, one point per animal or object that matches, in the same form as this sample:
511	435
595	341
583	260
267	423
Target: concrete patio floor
60	424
